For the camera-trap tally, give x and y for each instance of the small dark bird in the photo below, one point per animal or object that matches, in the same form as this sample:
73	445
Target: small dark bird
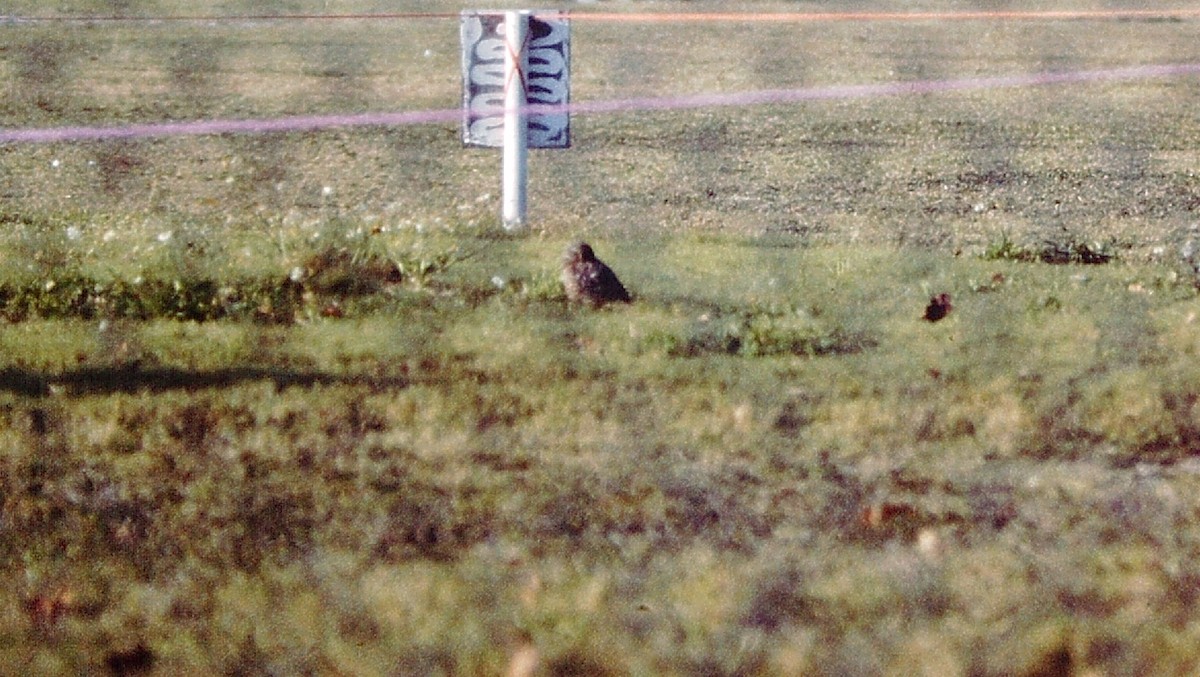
939	307
587	280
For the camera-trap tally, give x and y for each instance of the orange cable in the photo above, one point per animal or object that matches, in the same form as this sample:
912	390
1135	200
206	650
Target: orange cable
671	17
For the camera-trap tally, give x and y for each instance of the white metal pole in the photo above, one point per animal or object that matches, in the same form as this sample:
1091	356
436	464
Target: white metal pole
516	133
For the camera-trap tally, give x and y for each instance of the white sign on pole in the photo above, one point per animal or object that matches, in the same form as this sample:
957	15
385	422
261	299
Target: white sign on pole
512	61
544	74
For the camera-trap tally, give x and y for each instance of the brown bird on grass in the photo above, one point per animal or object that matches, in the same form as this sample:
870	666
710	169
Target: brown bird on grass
588	280
939	307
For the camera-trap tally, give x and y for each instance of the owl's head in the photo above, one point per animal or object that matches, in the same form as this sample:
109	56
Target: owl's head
580	251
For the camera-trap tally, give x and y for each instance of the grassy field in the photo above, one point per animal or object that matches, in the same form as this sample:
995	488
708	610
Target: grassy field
296	404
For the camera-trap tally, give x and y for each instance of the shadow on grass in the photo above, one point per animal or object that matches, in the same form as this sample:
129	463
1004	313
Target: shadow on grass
134	378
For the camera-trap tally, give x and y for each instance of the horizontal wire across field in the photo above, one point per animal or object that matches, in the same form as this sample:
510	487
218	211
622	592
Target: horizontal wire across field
663	103
749	98
670	17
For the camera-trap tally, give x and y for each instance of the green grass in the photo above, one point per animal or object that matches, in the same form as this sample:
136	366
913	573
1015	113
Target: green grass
445	477
297	405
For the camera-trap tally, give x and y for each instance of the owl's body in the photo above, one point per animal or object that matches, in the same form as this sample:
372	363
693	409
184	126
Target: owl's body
588	280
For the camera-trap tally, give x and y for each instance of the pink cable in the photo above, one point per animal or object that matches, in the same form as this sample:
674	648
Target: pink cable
681	102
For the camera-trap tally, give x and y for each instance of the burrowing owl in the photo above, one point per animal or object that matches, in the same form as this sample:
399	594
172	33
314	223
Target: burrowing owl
588	280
